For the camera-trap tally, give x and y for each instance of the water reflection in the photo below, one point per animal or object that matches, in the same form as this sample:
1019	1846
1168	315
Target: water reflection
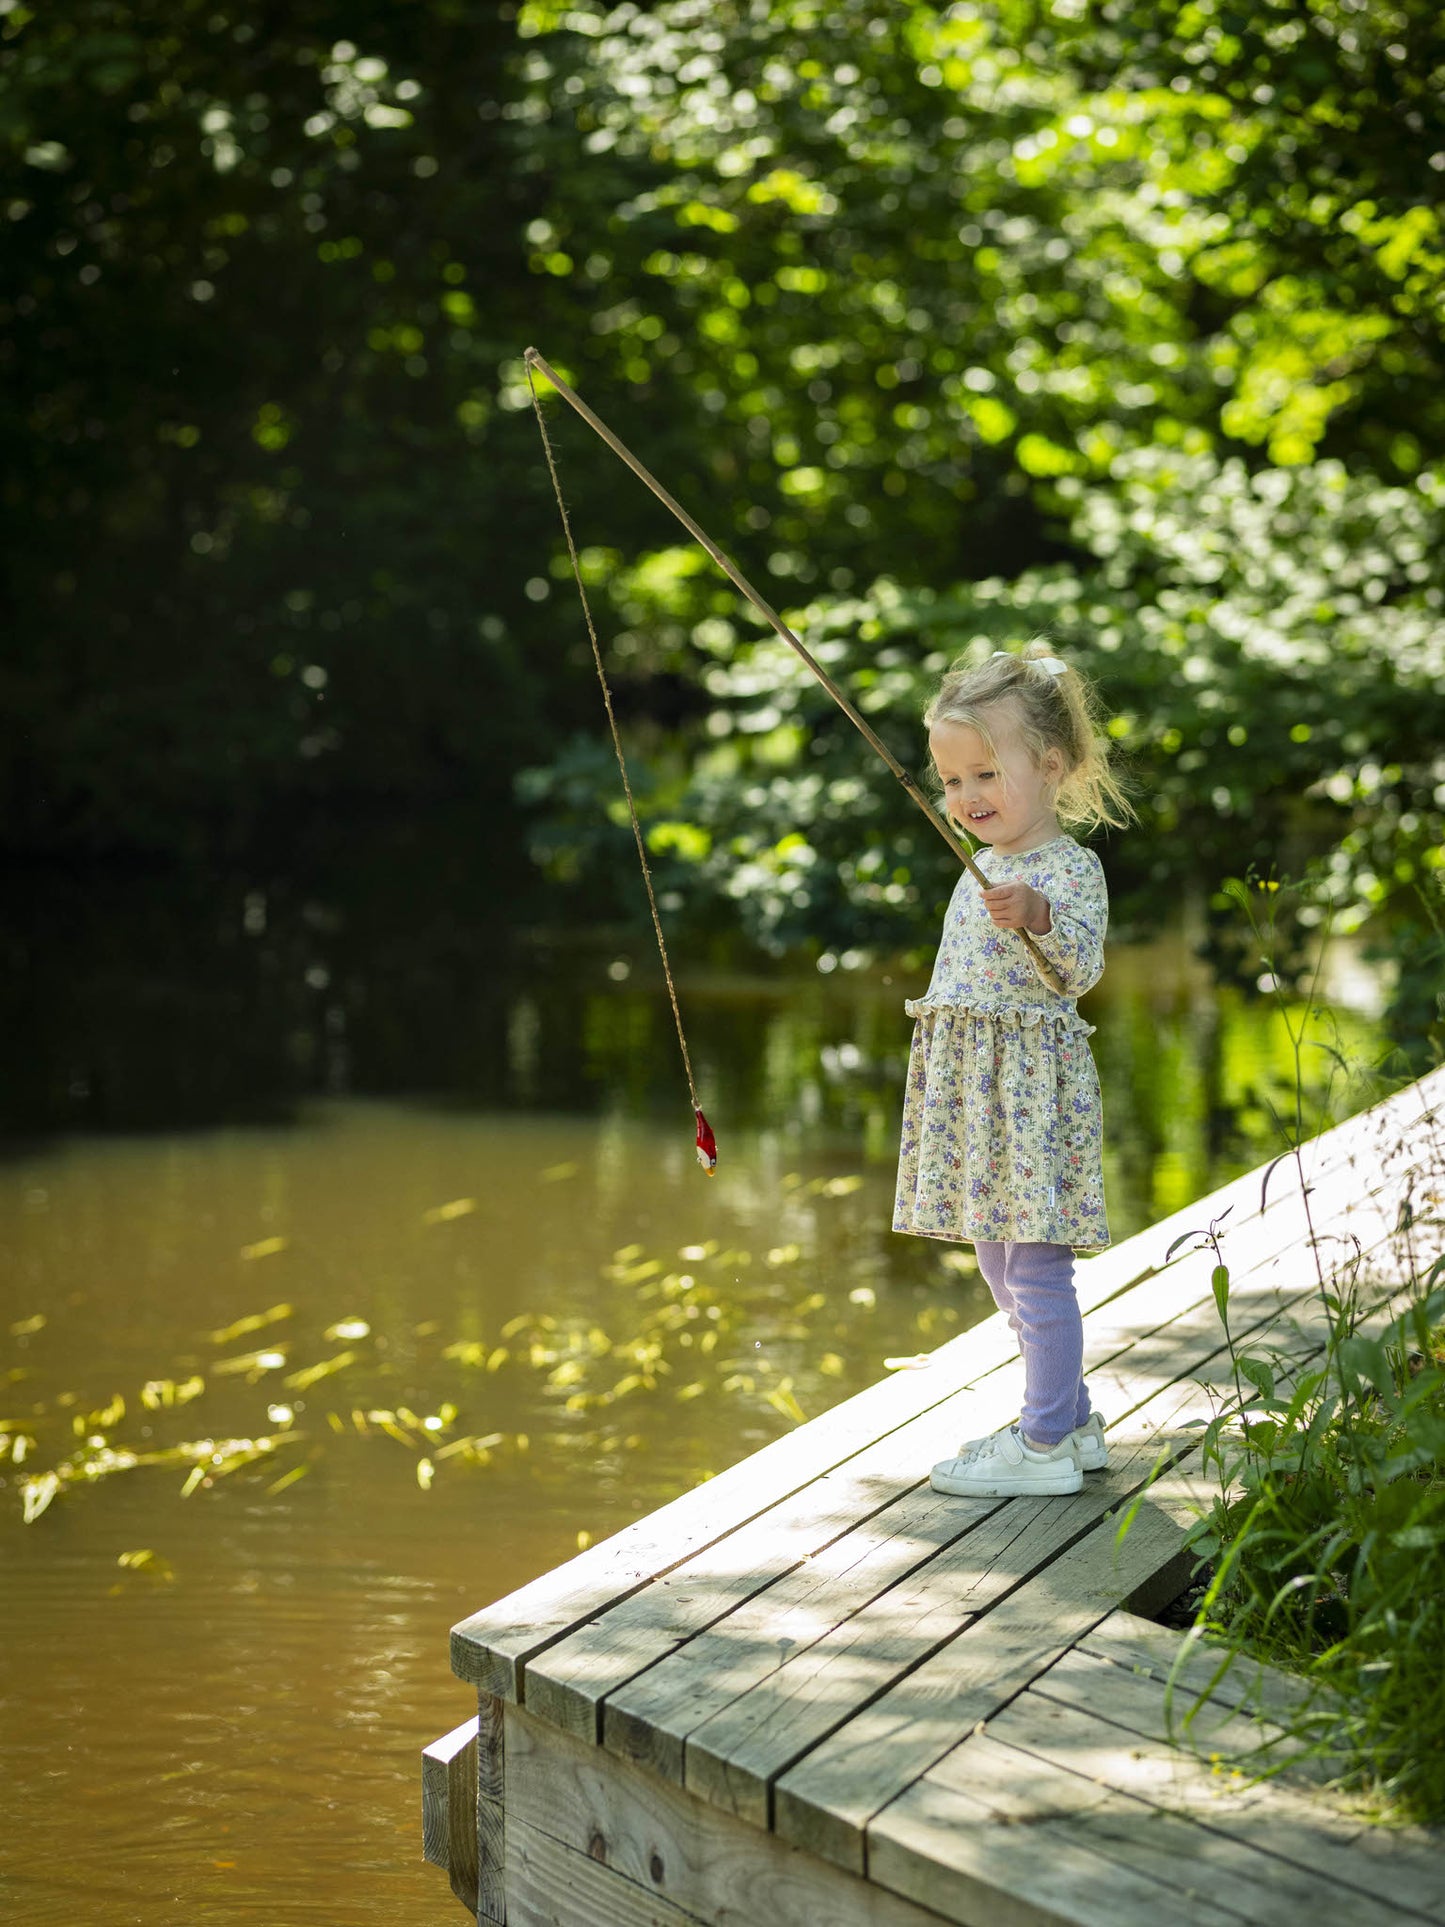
159	1007
534	1293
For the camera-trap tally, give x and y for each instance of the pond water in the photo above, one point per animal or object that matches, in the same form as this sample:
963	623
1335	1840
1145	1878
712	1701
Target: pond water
287	1398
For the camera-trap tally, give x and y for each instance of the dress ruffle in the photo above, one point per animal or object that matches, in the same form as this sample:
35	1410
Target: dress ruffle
1065	1017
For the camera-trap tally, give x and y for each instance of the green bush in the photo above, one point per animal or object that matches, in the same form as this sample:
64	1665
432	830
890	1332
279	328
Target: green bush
1270	644
1327	1541
1324	1544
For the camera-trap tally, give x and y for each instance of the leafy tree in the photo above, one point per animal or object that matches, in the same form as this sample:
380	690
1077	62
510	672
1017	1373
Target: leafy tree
1258	635
951	320
262	540
1153	291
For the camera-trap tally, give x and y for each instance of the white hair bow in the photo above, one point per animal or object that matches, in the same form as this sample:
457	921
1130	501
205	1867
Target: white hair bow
1050	663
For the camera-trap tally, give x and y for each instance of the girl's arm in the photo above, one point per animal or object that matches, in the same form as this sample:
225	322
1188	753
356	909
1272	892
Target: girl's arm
1074	940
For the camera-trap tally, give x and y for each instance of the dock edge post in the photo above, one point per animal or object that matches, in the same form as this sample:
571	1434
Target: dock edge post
449	1809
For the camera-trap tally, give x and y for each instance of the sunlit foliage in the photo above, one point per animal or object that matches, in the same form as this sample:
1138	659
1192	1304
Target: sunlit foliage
1272	647
1125	317
1158	288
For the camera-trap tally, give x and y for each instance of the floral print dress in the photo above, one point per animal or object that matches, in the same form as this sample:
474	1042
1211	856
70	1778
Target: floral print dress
1002	1120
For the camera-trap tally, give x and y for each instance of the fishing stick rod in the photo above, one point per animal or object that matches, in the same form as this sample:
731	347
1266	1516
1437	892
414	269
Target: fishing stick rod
766	610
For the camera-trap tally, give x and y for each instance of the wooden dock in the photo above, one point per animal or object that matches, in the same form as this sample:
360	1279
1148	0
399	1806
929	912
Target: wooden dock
813	1690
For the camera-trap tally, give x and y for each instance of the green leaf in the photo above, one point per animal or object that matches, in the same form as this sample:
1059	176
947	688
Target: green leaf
1369	1360
1257	1372
1183	1238
1219	1280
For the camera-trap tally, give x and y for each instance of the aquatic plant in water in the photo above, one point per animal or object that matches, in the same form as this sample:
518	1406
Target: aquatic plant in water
715	1329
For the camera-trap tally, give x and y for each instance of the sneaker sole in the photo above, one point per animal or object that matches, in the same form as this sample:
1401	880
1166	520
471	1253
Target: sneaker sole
1059	1485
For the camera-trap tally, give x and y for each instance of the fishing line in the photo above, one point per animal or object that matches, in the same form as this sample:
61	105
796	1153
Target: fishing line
735	575
706	1143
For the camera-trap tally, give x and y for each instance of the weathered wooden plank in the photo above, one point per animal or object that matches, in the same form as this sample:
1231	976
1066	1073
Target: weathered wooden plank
876	1496
1272	1264
491	1861
491	1747
436	1761
449	1809
1269	1826
1183	1858
1317	1828
1176	1851
823	1801
568	1683
652	1717
666	1843
1339	1164
732	1758
1166	1655
649	1720
1030	1849
552	1885
491	1812
1146	1706
1280	1284
826	1800
492	1647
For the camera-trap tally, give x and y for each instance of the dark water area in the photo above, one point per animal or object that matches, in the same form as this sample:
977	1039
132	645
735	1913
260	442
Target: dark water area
355	1267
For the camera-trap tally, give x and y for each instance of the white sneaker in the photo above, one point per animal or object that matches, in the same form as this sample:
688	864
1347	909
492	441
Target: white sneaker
969	1446
1088	1438
1089	1441
1003	1467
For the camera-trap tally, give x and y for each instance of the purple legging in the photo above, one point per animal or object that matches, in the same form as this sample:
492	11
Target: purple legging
1033	1285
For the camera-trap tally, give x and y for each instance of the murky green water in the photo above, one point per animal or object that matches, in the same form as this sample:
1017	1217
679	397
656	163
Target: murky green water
484	1322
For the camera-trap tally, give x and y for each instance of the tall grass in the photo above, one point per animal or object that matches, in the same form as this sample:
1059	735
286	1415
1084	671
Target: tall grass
1322	1549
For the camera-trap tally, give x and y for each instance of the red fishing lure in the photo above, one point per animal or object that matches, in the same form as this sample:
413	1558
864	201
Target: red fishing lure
706	1145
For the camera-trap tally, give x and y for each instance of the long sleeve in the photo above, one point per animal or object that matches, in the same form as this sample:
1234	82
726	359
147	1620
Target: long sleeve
1079	913
982	968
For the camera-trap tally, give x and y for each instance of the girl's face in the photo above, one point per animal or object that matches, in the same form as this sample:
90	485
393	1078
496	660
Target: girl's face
1005	799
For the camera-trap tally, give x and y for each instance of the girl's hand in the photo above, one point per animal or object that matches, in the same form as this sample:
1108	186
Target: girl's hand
1017	906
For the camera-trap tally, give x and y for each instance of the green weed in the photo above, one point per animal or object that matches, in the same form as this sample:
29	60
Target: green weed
1323	1546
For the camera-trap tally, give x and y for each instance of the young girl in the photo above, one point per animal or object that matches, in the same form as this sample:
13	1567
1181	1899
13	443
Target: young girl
1002	1122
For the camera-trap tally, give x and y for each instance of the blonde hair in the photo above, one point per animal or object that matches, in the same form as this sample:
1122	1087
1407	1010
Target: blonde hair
1050	711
